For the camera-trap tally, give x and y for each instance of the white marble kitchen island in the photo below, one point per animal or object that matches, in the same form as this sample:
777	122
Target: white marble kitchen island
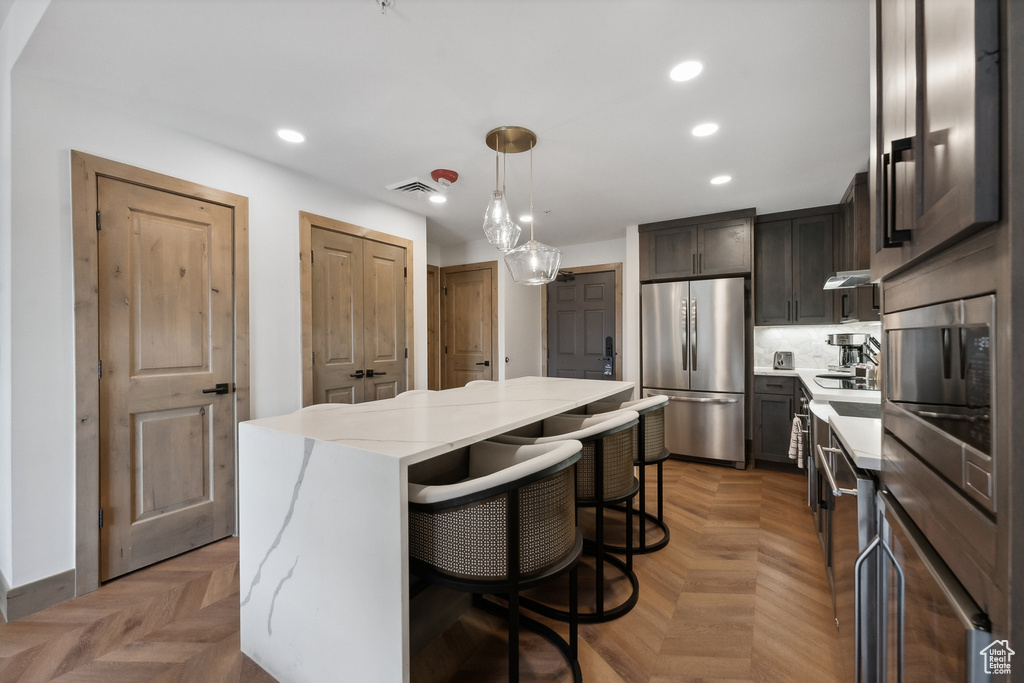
323	526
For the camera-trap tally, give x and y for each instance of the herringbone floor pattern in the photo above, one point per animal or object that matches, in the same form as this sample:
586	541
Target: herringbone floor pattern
740	594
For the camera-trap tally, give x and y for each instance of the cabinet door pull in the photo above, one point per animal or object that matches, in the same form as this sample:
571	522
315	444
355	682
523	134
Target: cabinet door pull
891	237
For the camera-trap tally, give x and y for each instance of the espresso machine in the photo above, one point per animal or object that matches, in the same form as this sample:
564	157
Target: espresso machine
854	350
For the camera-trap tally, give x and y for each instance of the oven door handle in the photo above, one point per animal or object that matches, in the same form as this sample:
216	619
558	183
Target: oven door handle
836	490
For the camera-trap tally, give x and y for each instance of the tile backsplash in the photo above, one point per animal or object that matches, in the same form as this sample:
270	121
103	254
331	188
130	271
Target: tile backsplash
807	342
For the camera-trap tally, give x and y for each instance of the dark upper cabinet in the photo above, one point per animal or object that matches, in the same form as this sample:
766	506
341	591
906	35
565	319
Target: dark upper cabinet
853	252
717	244
934	175
793	256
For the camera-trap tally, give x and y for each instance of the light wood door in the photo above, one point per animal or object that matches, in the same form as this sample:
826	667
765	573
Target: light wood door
384	333
337	317
166	341
433	327
580	320
469	305
359	329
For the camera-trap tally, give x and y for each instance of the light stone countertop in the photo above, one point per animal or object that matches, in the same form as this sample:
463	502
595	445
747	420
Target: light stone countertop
861	438
422	425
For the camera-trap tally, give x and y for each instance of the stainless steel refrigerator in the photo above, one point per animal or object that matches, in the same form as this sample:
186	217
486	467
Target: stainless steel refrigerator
692	346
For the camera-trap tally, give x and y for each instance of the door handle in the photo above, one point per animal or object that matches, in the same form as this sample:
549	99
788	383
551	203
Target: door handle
486	364
693	342
358	374
370	372
221	388
892	237
682	399
684	325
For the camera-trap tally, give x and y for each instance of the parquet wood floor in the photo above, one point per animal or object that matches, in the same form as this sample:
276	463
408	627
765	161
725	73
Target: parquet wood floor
739	594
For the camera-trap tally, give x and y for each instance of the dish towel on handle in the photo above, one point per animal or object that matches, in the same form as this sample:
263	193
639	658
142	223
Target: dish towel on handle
796	442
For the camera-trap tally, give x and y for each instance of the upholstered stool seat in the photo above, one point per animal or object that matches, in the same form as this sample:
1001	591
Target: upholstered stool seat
651	450
604	477
497	522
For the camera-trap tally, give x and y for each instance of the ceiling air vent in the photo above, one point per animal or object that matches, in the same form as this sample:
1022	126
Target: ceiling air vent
417	187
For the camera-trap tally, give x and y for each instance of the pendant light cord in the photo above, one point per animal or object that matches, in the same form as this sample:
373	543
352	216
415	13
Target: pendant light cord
533	218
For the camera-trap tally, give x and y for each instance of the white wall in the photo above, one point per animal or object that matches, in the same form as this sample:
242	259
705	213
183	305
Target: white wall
17	23
47	124
519	312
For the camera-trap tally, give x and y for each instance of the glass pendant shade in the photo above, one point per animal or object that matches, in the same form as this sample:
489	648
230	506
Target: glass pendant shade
533	263
498	225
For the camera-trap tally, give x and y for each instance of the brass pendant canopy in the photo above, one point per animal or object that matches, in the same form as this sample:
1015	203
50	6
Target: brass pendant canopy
511	139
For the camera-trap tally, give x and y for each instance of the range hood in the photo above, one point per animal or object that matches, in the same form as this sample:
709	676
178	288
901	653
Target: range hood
848	279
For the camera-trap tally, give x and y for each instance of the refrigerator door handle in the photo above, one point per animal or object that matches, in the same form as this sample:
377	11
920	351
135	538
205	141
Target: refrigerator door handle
900	609
684	324
693	344
684	399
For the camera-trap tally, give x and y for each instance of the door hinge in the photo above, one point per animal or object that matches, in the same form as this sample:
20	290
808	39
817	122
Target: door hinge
406	351
98	220
99	369
101	518
446	290
311	257
314	358
446	348
405	272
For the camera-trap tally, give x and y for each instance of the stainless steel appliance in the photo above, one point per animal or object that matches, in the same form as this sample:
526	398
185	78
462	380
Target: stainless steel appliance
938	551
783	360
692	345
925	625
848	528
845	381
853	350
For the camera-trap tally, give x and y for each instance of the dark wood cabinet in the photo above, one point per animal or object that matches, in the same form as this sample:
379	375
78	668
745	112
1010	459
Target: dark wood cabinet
934	175
793	256
718	244
775	400
853	252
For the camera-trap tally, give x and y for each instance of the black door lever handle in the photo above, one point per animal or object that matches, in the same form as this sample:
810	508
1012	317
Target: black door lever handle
221	388
374	373
359	374
486	363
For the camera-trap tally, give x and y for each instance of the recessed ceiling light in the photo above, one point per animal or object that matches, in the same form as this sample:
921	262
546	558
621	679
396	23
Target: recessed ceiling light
291	135
685	71
705	129
720	179
438	198
526	218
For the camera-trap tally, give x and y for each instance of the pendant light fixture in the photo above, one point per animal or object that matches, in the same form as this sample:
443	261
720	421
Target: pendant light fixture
499	227
533	263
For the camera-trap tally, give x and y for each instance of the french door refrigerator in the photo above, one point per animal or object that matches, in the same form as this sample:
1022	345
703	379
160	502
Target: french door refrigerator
692	350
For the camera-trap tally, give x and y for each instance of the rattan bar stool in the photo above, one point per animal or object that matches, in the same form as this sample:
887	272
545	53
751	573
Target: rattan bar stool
604	477
651	450
508	525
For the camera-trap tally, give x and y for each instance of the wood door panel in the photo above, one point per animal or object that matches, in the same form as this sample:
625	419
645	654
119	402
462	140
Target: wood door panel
337	321
580	315
595	325
565	332
170	460
346	394
171	308
166	317
469	325
339	306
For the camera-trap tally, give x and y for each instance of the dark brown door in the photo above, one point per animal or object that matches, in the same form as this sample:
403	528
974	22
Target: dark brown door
470	336
166	339
580	324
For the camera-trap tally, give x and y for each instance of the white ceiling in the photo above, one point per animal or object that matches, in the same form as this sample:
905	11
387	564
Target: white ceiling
386	97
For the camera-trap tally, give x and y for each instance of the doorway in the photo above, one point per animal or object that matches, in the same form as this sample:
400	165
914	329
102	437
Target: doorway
469	323
582	313
162	364
356	312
